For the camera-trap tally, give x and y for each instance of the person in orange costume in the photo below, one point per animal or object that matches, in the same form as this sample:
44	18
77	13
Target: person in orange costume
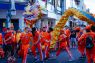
68	33
25	39
62	39
45	42
81	48
90	53
8	40
1	49
36	43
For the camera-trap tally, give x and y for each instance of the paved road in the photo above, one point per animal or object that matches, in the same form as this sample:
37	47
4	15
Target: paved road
62	58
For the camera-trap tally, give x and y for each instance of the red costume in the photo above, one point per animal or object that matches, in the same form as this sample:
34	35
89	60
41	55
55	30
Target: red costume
62	39
1	50
36	44
89	53
25	39
1	39
68	33
45	42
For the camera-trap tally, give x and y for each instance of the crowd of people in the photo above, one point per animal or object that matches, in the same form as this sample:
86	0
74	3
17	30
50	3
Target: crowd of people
18	44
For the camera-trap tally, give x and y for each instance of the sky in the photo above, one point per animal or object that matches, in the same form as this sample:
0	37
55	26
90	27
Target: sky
91	5
88	3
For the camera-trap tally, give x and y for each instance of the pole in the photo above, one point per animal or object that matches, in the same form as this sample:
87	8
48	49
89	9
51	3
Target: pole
8	17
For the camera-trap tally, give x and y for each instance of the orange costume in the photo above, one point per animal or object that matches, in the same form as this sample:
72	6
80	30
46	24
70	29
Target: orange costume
81	48
81	43
1	50
63	44
36	44
68	33
25	39
45	42
90	53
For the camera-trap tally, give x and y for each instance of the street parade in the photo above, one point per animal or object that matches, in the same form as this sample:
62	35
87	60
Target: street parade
26	39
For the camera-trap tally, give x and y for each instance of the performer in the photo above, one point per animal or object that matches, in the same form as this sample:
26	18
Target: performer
45	42
25	39
1	49
8	40
68	33
89	45
63	44
36	43
81	48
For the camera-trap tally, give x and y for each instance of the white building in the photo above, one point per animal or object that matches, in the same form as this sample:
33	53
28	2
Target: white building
49	19
79	5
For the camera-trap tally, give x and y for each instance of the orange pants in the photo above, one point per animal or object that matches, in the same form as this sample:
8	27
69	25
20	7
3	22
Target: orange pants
24	51
33	48
63	46
90	55
46	49
68	42
81	50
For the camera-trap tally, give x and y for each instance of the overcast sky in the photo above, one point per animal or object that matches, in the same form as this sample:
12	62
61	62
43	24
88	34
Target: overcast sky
89	4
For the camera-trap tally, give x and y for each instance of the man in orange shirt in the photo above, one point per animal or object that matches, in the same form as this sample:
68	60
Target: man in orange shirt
25	39
45	41
36	43
90	51
62	39
81	48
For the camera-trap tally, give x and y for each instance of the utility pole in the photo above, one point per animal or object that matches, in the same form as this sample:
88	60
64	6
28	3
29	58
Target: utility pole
63	6
11	11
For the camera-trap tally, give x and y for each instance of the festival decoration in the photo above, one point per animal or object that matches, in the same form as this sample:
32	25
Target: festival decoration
64	19
32	14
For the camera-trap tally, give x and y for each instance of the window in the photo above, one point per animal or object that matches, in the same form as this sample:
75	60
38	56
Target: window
49	1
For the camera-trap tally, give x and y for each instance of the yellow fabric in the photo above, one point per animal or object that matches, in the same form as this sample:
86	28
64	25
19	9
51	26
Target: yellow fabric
18	37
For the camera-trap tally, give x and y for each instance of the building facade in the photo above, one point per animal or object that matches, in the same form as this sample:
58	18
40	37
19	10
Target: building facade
74	21
52	10
6	17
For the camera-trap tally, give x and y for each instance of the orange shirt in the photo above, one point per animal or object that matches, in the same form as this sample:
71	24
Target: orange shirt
78	35
45	37
35	38
62	39
25	38
82	39
0	39
68	33
30	35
